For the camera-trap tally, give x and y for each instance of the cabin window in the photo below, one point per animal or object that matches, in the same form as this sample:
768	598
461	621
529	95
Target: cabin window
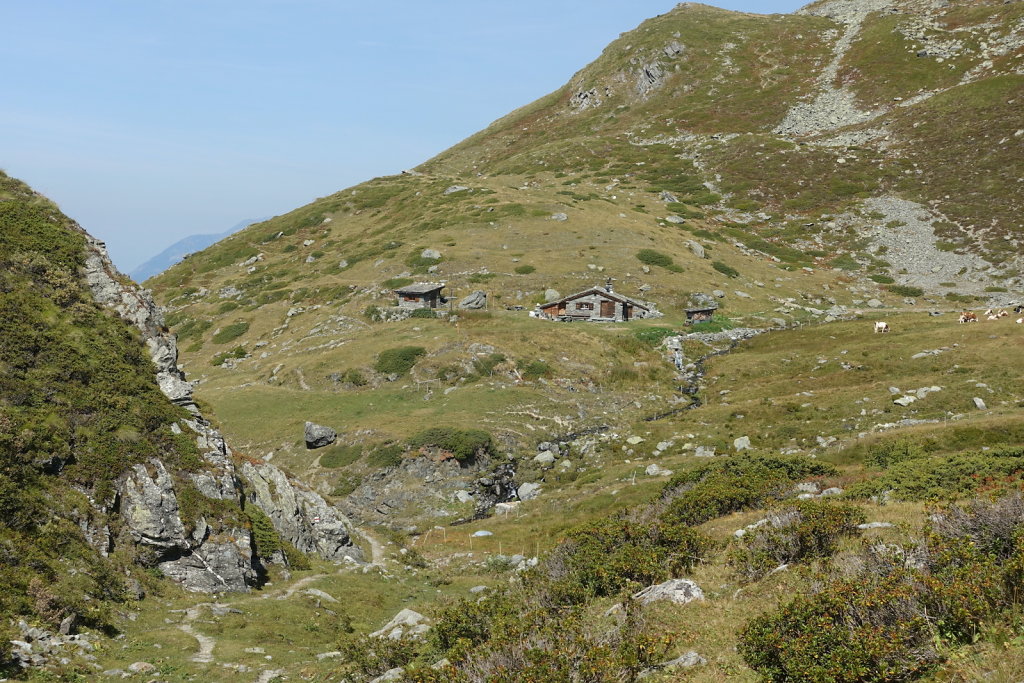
582	306
409	297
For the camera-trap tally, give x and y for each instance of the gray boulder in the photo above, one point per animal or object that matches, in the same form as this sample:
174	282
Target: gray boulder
560	217
318	436
551	295
696	248
430	253
455	188
406	624
474	301
300	515
679	591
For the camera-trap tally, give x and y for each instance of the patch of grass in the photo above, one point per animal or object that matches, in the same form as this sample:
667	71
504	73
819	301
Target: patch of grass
339	455
725	270
525	269
906	290
231	332
220	358
399	360
881	279
464	444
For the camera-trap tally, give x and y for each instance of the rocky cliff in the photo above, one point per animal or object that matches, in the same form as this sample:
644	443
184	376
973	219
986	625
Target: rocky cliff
207	555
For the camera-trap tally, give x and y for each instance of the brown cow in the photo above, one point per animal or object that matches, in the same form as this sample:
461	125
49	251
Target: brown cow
968	317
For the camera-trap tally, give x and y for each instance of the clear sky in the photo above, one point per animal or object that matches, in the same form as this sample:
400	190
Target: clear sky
151	120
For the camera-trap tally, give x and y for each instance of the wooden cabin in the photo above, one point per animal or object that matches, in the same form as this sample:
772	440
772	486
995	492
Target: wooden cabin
597	304
420	295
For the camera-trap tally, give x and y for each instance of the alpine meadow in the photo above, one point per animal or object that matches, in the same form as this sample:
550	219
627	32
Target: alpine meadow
707	366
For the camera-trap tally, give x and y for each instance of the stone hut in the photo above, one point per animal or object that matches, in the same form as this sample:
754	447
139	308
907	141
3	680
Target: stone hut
598	304
700	314
420	295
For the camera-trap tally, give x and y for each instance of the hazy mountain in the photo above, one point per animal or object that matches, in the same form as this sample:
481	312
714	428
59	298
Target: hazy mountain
182	248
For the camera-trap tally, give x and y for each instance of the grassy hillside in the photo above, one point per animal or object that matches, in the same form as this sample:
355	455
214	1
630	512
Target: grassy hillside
813	173
78	405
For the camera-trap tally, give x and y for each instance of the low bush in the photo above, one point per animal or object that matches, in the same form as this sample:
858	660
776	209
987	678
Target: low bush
725	270
423	313
805	531
485	366
890	620
534	369
881	279
353	376
220	358
399	360
651	257
231	332
740	482
464	444
385	455
525	269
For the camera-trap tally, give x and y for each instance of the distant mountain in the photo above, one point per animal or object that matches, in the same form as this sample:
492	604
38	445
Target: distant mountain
182	248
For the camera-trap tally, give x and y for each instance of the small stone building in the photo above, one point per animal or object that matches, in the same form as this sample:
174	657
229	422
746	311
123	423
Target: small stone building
420	295
597	304
701	314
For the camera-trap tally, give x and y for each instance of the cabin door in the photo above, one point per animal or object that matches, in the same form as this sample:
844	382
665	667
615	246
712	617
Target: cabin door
607	309
627	312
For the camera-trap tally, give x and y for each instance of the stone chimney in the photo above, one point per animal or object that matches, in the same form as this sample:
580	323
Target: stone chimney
608	285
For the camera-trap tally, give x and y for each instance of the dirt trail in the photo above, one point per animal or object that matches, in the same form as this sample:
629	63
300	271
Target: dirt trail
206	643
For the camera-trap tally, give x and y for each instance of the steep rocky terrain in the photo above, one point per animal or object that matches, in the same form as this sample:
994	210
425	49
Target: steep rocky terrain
108	466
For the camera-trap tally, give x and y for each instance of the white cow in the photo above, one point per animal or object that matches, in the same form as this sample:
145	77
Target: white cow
881	326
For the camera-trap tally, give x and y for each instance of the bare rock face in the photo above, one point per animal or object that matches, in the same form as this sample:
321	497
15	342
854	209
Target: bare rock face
197	559
299	514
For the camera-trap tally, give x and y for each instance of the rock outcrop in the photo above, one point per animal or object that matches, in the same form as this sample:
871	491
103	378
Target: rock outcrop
475	300
299	514
203	554
318	436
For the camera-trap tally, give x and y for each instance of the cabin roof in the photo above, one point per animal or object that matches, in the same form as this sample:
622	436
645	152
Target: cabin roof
600	291
702	309
420	288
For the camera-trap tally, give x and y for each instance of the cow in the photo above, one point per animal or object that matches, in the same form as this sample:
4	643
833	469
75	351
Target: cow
1018	309
1002	313
968	317
881	326
1020	321
992	317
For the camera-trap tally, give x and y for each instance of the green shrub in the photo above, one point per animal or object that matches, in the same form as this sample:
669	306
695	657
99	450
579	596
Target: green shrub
464	444
881	279
227	307
373	313
740	482
423	313
906	290
237	352
725	270
534	369
485	366
651	257
885	454
354	377
476	278
525	269
399	360
385	455
993	288
603	557
807	530
264	536
231	332
888	621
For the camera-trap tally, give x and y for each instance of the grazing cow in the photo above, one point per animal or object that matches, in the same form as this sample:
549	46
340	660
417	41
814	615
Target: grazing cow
968	317
881	326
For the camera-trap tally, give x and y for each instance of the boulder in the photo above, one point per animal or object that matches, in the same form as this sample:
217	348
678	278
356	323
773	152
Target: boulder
696	248
679	591
544	458
455	188
675	220
551	295
474	301
430	254
528	491
685	661
705	452
742	443
318	436
979	404
560	217
656	470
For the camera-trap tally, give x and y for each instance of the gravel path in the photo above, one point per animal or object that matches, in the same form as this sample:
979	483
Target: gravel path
206	643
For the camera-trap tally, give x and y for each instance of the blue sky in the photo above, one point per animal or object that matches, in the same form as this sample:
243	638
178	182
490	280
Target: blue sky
150	121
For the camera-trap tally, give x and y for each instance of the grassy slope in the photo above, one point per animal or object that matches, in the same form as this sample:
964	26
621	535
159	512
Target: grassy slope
544	159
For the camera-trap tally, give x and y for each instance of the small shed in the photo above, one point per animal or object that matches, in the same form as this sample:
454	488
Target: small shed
420	295
597	304
700	315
